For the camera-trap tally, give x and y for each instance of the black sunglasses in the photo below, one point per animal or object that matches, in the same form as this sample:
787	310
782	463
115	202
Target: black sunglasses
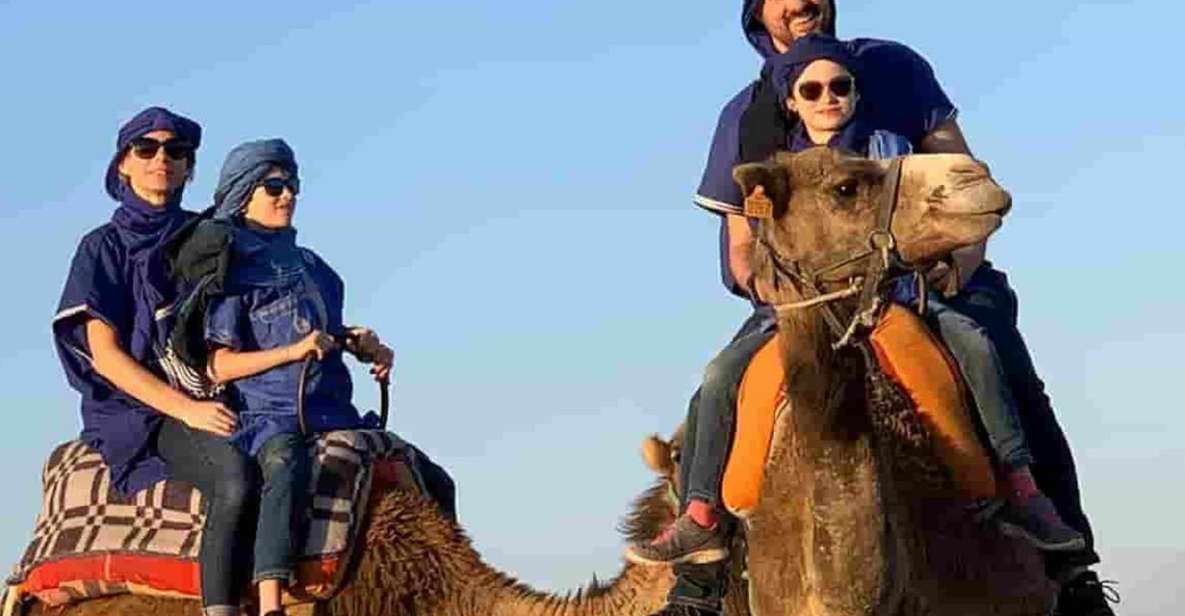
841	87
274	187
176	149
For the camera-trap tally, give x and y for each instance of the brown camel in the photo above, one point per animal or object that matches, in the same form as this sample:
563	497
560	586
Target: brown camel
417	563
845	523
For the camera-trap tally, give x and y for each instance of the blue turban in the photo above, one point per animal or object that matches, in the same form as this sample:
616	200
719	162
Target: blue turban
244	167
151	119
786	68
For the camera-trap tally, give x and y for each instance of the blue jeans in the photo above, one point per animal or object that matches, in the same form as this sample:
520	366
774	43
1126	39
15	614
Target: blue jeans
226	478
711	416
285	467
707	439
990	302
984	374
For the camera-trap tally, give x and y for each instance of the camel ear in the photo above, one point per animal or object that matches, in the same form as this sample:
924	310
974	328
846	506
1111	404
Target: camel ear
656	453
765	187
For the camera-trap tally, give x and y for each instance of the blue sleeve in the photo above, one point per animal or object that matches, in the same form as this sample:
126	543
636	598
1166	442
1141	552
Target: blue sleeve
95	288
226	318
902	90
717	190
718	193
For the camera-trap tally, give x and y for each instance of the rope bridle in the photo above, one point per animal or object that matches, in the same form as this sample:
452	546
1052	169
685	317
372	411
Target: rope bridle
881	257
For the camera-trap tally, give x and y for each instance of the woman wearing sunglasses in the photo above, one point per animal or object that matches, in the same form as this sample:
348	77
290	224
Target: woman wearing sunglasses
143	428
279	303
818	80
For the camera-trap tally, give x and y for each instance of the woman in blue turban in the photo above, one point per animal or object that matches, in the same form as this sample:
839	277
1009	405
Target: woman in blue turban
277	304
103	331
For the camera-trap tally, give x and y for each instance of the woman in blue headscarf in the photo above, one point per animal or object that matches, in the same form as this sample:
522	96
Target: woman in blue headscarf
278	303
103	331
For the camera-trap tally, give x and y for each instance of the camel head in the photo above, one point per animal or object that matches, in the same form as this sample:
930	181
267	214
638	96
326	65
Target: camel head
821	205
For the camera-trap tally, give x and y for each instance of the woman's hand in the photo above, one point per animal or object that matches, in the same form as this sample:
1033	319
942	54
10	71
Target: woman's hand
207	416
317	342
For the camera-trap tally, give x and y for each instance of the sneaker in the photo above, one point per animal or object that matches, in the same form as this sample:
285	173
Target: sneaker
679	609
1036	520
1085	595
684	542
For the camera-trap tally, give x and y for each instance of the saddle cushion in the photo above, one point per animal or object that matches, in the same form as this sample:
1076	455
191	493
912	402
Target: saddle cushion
761	398
91	541
914	359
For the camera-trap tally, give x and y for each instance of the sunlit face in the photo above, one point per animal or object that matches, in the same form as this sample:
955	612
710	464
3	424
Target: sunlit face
786	20
273	211
824	96
151	174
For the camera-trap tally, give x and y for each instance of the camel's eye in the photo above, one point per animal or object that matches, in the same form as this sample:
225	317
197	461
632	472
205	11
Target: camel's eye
847	188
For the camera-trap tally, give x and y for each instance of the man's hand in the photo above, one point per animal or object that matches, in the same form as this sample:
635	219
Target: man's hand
212	417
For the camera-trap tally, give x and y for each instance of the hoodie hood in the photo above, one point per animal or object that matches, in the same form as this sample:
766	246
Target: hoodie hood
759	38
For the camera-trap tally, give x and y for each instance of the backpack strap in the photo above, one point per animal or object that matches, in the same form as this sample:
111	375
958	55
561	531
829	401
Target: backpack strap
764	124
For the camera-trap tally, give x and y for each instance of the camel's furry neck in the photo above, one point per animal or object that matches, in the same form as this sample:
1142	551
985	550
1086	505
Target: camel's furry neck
418	563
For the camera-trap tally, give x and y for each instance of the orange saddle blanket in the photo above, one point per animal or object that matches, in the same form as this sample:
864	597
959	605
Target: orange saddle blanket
910	355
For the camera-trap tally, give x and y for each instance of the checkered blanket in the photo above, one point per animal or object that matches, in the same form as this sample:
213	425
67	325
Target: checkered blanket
81	515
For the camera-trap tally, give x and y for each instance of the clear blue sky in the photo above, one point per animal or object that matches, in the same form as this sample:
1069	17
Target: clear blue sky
506	189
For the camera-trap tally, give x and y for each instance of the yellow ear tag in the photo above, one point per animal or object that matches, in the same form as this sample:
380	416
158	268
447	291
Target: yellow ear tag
757	205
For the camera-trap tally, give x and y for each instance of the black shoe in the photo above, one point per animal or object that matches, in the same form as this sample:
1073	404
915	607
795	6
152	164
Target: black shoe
679	609
1085	595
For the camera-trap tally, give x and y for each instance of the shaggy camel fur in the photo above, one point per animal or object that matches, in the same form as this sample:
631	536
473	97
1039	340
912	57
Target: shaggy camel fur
845	525
417	563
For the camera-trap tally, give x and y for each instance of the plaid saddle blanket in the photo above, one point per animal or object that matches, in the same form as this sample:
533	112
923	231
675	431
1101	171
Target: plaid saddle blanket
91	541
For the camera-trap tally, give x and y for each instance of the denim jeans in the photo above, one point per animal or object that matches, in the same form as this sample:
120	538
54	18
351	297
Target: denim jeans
989	300
711	415
226	478
707	439
285	467
983	371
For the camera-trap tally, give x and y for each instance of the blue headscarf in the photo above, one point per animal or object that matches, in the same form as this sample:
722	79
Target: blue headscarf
147	121
244	167
785	69
142	226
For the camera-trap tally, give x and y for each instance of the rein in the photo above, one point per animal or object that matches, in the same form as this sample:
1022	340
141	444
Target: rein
881	243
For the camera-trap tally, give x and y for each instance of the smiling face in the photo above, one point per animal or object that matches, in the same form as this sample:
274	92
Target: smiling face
787	20
273	211
824	97
154	175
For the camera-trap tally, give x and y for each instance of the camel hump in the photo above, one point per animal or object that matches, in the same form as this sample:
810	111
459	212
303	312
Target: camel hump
915	360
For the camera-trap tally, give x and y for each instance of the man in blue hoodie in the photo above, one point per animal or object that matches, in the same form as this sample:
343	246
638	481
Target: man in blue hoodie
912	104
